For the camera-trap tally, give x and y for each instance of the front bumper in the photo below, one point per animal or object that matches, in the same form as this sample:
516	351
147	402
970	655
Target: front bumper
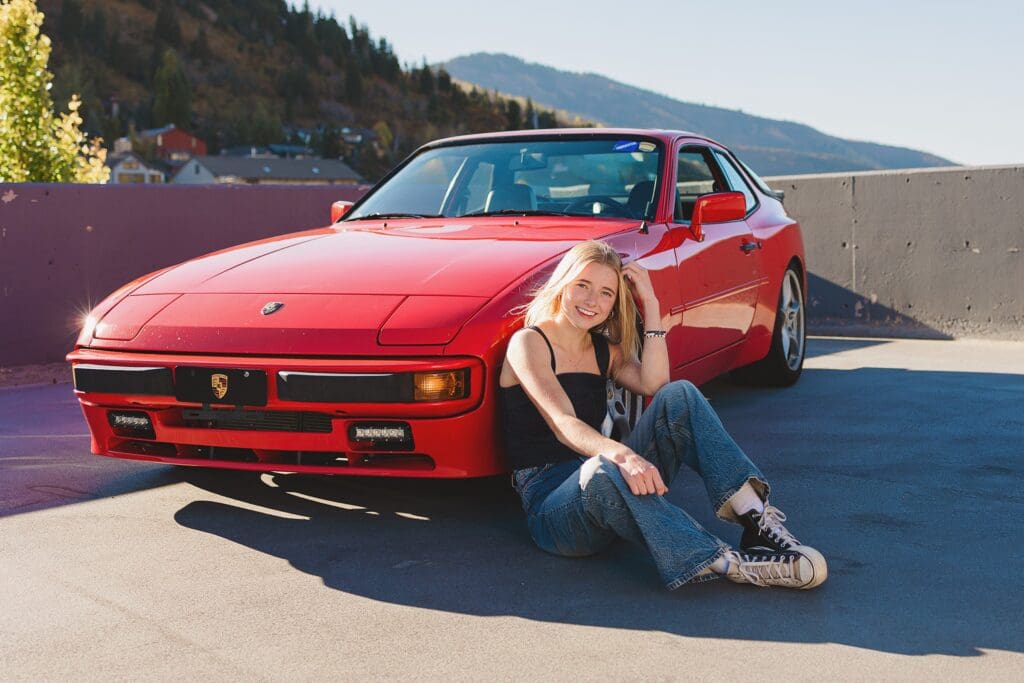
451	438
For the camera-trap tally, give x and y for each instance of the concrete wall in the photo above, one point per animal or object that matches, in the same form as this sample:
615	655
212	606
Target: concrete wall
65	247
935	253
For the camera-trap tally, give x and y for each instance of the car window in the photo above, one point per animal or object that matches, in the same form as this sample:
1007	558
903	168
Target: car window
734	180
593	175
480	183
694	177
611	174
425	184
761	184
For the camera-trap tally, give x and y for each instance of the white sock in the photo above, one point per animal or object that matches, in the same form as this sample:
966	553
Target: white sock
745	500
721	565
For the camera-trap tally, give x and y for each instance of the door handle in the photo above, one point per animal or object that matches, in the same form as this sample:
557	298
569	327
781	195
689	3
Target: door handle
748	247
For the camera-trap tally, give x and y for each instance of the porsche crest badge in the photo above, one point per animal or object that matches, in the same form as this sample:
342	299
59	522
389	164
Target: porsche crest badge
272	307
219	383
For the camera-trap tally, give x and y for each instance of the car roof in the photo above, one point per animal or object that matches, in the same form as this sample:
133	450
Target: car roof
662	135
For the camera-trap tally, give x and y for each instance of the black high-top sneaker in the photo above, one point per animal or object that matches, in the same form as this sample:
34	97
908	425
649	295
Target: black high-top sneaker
764	530
802	568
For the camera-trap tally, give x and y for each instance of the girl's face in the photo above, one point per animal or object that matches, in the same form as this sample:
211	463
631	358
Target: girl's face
588	300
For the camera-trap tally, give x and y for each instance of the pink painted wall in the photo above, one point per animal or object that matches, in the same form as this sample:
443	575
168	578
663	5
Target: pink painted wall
64	247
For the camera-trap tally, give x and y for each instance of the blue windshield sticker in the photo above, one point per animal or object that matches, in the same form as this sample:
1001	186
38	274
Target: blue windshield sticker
626	146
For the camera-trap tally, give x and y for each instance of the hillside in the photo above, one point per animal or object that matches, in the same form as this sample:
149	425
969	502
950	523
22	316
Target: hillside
769	146
255	72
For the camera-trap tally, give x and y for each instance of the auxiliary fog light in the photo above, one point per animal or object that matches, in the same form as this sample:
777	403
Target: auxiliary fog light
380	436
441	386
131	423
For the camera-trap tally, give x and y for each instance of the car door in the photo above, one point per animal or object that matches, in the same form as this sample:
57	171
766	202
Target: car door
719	276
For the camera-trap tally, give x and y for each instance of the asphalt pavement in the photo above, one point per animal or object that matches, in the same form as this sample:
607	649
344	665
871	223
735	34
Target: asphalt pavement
900	460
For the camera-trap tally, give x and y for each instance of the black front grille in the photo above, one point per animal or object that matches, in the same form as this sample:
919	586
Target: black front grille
258	420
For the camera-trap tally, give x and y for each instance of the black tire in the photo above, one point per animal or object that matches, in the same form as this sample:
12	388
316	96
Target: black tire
785	360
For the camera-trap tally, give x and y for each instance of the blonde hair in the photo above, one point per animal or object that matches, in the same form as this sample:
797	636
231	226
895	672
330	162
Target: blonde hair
620	326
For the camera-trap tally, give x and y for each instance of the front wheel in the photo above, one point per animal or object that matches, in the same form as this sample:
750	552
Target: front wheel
624	407
785	360
624	411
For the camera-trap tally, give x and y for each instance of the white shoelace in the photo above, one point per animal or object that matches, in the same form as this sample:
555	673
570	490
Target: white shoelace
736	565
776	571
771	570
771	523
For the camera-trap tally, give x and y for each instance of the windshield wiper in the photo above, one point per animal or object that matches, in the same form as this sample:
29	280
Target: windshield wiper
515	212
395	215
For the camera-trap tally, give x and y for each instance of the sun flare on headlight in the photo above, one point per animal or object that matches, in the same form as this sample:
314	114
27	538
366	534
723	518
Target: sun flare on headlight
82	321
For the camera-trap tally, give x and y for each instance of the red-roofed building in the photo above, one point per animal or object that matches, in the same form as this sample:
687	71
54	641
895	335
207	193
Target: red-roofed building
169	143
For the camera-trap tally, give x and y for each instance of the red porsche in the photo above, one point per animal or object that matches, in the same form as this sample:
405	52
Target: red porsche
372	347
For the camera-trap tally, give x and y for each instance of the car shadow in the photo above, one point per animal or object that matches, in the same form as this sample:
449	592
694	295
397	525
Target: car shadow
905	480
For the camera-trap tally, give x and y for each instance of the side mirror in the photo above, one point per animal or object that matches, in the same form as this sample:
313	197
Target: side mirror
720	207
339	209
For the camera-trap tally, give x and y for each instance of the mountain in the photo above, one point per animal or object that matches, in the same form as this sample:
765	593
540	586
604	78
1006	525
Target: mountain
769	146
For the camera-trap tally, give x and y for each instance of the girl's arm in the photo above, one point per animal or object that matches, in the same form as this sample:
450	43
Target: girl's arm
529	359
651	372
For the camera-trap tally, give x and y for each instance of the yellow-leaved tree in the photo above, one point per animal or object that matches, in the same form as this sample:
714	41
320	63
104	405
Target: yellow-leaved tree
37	145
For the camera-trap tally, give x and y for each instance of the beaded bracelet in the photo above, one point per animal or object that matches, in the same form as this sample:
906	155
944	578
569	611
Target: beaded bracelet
652	334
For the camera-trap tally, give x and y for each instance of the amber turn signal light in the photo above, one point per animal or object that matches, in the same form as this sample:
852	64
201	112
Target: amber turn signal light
441	386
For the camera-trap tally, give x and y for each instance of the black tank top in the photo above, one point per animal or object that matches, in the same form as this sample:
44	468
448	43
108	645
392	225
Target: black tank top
529	441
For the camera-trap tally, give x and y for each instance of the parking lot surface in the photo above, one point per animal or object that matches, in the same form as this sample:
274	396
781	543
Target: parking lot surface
900	460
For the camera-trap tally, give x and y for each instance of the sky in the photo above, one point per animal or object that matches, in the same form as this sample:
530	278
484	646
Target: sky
943	77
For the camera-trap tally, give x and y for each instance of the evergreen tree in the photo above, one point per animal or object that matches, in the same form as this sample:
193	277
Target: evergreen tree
200	48
264	127
546	119
94	32
353	84
444	80
384	137
115	48
166	30
172	96
71	20
37	145
74	79
513	115
330	142
425	79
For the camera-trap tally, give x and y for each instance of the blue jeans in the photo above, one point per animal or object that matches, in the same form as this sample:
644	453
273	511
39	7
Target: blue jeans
579	507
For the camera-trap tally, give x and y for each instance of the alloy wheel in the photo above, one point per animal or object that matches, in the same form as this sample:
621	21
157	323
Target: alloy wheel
792	320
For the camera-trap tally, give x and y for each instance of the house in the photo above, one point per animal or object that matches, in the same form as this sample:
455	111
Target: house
265	171
254	151
128	167
269	151
169	143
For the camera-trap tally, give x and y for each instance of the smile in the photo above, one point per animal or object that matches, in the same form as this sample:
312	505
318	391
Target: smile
585	313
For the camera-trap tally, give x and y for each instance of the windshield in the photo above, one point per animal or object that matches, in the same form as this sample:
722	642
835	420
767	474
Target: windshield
602	177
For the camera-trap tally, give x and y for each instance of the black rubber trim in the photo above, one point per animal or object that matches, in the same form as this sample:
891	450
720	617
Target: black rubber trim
314	387
108	379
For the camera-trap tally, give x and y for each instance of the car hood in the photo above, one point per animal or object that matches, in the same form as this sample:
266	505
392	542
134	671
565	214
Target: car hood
355	288
454	258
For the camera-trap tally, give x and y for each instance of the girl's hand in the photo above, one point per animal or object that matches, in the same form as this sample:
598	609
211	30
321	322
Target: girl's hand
642	477
640	281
